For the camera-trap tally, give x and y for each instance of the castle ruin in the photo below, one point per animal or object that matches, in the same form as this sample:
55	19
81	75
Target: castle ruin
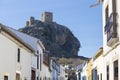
45	17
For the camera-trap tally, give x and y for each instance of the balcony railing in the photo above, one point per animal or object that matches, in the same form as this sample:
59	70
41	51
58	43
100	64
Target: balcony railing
111	29
109	23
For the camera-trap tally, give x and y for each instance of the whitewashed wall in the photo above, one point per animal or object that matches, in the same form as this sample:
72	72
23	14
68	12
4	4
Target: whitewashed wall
109	60
84	72
8	51
45	71
40	49
62	73
111	53
98	63
8	60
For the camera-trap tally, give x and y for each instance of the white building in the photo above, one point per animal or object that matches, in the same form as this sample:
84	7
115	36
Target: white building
84	71
35	59
62	73
79	70
55	70
46	70
111	39
98	65
15	56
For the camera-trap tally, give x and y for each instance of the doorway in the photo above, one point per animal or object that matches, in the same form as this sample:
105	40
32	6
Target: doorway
17	76
115	70
33	74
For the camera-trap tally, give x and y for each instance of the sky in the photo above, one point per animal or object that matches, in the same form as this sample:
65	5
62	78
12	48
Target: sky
84	22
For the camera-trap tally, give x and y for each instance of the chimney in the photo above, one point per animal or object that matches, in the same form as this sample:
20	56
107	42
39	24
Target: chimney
31	20
47	17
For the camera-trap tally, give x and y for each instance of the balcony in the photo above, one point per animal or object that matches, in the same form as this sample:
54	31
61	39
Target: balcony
111	30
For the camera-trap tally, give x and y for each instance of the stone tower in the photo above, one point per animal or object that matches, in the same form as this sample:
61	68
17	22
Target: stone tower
47	17
30	22
32	19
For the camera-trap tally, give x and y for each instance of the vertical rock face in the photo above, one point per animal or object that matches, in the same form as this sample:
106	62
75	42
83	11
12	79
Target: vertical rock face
56	38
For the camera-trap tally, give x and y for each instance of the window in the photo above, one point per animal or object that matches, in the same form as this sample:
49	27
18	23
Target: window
98	77
107	72
37	59
17	76
95	74
111	24
40	62
37	51
109	33
66	76
116	70
33	75
92	74
45	78
5	77
101	76
25	78
40	78
37	78
18	55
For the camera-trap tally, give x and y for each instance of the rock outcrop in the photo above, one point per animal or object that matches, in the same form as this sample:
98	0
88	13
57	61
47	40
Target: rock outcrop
56	38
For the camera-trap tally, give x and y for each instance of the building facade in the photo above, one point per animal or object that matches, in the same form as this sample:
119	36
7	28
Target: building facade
90	67
25	54
55	70
15	59
62	73
111	39
84	71
97	70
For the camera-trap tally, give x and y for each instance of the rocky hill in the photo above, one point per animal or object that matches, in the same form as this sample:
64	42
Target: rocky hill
56	38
